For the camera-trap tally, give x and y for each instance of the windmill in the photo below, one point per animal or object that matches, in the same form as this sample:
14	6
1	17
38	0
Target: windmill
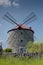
19	36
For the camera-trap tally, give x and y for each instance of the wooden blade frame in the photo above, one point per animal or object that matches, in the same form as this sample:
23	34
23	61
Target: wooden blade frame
12	20
6	17
11	16
30	18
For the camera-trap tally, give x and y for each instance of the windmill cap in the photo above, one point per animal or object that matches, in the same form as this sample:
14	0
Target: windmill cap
23	27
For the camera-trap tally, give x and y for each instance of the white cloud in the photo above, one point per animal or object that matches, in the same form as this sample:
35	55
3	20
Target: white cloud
6	3
15	3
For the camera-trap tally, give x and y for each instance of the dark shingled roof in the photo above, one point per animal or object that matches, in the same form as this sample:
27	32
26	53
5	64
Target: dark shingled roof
23	27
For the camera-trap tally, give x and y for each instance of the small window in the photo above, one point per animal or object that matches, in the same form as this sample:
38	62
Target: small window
21	40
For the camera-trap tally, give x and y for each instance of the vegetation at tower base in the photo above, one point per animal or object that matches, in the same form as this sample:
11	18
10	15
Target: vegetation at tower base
8	50
25	60
8	60
29	46
34	47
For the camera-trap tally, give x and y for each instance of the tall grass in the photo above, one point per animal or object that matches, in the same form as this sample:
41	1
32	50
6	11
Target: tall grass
8	60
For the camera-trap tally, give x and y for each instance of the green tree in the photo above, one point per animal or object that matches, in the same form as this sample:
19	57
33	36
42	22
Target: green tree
29	47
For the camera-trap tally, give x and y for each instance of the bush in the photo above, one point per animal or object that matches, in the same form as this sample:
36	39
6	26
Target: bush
8	50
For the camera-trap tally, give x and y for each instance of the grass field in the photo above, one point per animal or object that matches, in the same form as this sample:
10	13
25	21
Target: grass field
8	60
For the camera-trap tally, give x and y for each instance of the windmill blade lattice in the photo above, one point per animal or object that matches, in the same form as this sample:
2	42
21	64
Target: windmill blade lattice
8	14
29	18
6	17
31	14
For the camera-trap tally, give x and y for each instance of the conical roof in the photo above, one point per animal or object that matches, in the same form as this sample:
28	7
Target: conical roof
21	26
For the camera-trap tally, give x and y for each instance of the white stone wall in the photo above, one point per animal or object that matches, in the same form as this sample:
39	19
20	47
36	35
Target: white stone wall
19	38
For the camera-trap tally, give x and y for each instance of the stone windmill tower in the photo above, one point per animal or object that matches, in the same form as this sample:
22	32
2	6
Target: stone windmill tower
19	36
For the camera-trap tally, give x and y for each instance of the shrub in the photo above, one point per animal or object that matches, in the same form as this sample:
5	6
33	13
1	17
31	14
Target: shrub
8	50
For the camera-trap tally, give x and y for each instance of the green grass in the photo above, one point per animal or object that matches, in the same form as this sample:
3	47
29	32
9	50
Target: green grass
8	60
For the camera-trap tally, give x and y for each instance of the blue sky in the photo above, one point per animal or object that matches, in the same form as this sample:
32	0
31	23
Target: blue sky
19	9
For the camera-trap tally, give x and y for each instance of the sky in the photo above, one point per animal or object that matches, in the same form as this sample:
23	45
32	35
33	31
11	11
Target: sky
19	9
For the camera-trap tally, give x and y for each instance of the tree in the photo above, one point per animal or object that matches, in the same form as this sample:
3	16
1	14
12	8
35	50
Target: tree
29	46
